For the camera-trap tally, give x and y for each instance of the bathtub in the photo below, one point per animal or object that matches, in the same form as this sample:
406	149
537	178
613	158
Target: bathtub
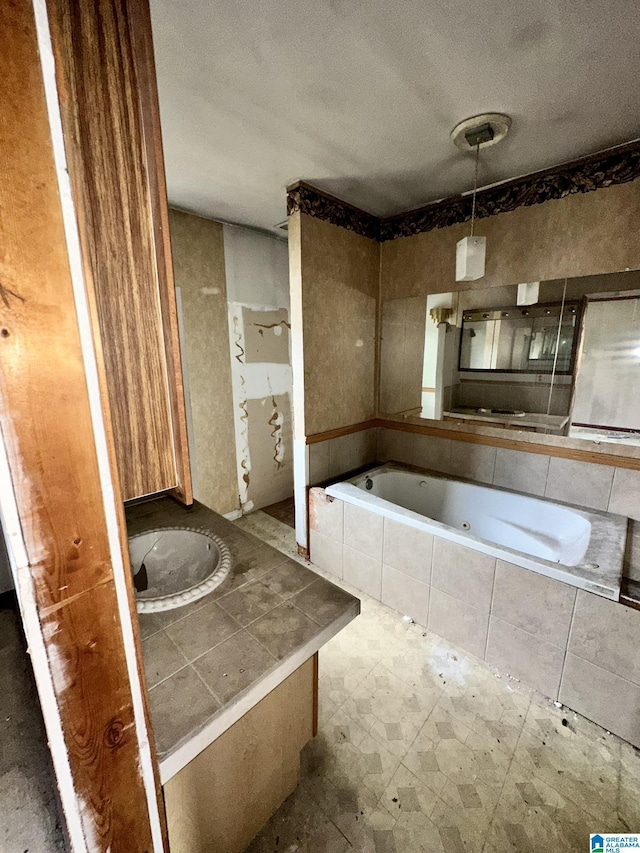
584	548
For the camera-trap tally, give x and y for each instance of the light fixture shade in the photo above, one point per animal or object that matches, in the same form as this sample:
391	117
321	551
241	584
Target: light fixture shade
528	293
470	257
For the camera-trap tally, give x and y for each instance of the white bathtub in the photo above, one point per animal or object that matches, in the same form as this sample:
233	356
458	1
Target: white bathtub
584	548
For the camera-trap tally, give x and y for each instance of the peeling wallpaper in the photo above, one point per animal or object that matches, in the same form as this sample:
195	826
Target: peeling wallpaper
259	330
235	296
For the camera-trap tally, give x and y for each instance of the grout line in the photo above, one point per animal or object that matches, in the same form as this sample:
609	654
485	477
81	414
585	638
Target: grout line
493	469
613	479
433	557
209	688
162	680
235	634
568	641
546	478
493	591
260	643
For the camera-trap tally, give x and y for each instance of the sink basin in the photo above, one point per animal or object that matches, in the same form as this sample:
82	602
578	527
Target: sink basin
514	413
176	565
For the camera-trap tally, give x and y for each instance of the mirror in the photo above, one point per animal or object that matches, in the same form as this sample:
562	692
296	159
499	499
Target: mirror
567	364
513	339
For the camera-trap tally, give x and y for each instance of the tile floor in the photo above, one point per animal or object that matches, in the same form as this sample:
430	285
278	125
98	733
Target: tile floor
423	748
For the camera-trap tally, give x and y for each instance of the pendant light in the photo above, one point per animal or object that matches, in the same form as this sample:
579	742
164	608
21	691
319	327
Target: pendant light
472	134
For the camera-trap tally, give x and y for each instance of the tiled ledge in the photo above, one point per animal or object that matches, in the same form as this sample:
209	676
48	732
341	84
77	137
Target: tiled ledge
210	662
595	486
568	644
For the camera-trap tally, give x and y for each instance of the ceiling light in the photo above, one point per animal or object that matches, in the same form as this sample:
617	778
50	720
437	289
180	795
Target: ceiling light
472	134
528	293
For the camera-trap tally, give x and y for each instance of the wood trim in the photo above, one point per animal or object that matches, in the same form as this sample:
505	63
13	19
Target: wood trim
152	139
317	437
630	593
603	169
68	574
97	66
594	456
305	198
596	171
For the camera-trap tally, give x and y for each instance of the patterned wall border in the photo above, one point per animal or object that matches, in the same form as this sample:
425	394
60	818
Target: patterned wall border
307	199
607	168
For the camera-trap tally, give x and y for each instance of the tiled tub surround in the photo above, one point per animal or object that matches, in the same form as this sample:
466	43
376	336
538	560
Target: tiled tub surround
337	456
569	644
584	548
210	662
588	485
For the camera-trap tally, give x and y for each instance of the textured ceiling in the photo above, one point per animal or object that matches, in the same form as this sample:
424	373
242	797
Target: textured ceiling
358	96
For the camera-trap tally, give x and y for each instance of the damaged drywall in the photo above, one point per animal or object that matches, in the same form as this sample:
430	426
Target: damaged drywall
260	356
262	381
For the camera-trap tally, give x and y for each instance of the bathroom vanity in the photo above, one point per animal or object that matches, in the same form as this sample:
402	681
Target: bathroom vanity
232	683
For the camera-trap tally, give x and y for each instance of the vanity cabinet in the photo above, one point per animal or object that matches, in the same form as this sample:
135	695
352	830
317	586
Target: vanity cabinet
228	792
106	77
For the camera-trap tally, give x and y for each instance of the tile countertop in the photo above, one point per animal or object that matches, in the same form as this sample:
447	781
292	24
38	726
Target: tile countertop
210	662
537	420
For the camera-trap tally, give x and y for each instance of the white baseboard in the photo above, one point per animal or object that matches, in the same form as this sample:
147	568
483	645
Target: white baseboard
233	515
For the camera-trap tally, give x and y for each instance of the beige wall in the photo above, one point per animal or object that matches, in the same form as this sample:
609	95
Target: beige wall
198	260
402	353
587	234
339	280
597	232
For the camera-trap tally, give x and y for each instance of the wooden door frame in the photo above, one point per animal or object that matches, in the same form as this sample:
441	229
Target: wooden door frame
59	495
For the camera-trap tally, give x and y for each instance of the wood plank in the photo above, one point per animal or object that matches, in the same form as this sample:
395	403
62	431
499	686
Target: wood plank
67	585
98	80
340	431
152	139
222	798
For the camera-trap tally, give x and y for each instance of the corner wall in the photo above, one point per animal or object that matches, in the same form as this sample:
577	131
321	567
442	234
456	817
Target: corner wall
340	279
198	261
334	315
234	286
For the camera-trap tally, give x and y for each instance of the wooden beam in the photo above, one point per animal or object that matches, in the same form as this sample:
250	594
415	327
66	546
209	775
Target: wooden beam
317	437
113	168
142	40
66	538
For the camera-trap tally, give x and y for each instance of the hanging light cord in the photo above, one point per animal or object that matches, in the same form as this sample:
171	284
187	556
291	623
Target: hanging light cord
475	188
555	355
